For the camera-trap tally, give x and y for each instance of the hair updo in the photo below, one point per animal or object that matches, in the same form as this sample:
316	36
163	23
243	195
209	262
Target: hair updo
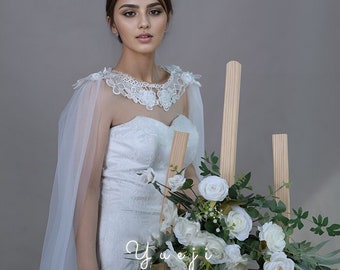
110	5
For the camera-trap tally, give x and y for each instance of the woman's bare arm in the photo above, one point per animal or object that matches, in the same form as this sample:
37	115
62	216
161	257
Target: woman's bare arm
86	236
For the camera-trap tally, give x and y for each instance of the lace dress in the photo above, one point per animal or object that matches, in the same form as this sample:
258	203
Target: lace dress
130	208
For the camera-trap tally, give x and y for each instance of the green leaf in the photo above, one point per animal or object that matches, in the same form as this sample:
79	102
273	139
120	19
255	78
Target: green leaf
210	227
281	207
317	230
253	212
281	218
325	221
188	184
214	158
205	170
215	168
289	231
157	187
243	182
333	230
272	205
304	215
233	194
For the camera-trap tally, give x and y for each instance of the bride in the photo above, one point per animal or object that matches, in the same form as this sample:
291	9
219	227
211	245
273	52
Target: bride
120	122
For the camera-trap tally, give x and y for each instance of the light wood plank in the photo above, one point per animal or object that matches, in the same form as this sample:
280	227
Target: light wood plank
177	155
230	121
281	168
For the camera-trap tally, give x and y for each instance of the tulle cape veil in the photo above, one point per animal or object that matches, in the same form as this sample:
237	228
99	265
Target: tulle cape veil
78	129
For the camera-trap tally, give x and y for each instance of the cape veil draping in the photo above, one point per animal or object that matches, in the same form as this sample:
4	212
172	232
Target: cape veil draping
78	128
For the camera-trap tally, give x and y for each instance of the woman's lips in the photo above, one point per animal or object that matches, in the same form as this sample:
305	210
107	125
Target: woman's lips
144	37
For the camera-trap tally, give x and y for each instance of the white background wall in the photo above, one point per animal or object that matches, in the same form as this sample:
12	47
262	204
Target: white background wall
289	51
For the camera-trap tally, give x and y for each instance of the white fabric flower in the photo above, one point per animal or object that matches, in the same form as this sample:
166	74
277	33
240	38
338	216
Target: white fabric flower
170	216
187	77
213	188
235	261
176	182
215	249
148	175
165	98
239	223
279	260
172	259
273	235
148	98
185	230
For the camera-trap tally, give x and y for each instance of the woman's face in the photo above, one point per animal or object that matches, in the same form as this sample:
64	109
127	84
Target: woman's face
140	24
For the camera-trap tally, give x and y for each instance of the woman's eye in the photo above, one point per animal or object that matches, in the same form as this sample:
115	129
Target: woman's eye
155	12
129	13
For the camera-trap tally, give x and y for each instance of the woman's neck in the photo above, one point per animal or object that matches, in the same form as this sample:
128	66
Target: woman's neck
141	67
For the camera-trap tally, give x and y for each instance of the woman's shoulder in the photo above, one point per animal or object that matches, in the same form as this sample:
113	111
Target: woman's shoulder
94	77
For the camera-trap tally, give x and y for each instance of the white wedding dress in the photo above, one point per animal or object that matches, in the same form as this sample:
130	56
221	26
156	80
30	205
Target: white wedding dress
129	207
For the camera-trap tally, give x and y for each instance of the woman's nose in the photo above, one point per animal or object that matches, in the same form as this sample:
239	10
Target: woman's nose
144	22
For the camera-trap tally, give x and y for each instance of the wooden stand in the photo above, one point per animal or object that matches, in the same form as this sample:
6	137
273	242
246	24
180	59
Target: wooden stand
230	121
281	168
177	155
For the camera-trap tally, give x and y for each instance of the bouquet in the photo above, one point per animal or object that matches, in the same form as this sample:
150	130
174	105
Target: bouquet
231	228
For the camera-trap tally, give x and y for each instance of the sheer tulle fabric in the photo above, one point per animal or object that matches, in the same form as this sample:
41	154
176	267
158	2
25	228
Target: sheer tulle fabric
197	118
78	129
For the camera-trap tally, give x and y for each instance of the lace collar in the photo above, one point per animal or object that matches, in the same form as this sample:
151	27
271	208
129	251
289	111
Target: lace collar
147	94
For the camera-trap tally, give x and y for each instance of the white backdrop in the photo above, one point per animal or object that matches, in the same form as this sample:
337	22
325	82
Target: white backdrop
289	51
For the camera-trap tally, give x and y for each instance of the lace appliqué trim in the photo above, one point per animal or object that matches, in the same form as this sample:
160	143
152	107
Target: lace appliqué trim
144	93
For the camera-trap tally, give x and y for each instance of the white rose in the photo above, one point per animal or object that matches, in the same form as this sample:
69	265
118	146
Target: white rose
279	260
273	235
148	176
239	223
185	230
200	240
170	216
235	261
215	249
213	188
176	182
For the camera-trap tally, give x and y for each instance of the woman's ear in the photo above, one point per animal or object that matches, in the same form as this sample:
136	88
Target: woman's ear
168	22
111	25
169	18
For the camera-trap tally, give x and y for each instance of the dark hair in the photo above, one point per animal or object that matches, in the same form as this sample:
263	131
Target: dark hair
110	5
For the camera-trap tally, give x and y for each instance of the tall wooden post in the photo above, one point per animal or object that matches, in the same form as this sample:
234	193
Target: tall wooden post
281	168
230	121
177	155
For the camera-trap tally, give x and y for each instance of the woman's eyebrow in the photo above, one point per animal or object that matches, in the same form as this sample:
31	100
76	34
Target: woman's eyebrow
136	6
